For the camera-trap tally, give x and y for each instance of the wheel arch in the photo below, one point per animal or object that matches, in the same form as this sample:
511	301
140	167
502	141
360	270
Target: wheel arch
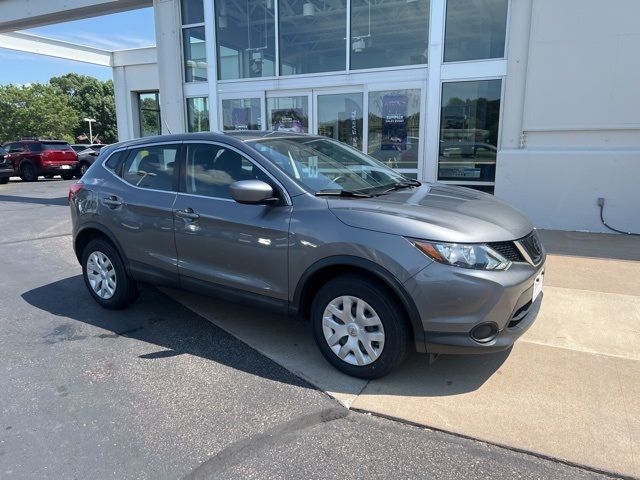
324	270
92	231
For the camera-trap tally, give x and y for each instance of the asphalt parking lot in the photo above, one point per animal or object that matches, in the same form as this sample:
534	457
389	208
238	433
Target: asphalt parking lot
157	391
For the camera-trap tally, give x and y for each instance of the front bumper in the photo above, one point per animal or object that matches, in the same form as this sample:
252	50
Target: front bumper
452	301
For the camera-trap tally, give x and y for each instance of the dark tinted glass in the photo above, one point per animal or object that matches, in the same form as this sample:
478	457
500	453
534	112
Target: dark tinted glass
192	11
195	55
387	34
246	39
475	30
53	146
151	167
114	160
469	120
312	36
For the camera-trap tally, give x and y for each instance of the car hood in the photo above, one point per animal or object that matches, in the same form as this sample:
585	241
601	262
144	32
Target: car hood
435	212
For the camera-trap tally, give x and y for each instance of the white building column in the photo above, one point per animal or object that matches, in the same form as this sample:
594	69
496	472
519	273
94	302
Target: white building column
170	65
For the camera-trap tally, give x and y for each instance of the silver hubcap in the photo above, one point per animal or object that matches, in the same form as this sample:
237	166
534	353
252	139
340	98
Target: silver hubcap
353	330
101	275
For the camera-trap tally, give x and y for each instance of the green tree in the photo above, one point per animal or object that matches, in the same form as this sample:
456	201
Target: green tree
91	98
35	110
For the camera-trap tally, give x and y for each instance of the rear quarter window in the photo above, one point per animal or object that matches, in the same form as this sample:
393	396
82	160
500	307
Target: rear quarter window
114	161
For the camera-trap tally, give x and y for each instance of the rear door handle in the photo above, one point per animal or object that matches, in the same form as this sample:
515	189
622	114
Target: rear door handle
187	213
112	201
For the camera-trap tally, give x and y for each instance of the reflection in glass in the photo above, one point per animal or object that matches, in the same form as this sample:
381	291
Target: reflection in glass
198	114
312	36
241	114
246	39
192	11
340	117
387	34
394	127
149	114
470	115
475	30
195	54
288	114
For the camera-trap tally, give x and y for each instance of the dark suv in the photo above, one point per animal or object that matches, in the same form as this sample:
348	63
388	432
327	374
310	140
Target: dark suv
33	158
6	168
301	224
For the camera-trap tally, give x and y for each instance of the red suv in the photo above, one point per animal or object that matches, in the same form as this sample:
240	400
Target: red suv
32	158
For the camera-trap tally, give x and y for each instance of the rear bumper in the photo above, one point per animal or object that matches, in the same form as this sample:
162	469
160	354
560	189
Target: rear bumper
53	168
453	301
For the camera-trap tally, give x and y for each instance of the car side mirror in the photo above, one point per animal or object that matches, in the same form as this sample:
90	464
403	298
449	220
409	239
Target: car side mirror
252	192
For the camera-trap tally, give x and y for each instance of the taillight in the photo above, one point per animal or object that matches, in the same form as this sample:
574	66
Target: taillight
74	189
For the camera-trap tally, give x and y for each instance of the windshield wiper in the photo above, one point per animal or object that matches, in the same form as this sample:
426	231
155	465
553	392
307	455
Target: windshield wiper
409	183
342	193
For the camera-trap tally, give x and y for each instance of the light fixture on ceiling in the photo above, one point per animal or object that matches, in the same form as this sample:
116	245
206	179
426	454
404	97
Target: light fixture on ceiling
308	9
222	21
358	45
269	4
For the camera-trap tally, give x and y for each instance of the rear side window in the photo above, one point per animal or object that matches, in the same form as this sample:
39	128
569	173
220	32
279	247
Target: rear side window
114	160
151	167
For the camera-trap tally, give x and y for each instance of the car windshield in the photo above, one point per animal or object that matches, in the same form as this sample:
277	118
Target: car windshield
324	165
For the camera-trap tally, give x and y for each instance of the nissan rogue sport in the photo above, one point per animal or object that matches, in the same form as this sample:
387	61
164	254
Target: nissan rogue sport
304	225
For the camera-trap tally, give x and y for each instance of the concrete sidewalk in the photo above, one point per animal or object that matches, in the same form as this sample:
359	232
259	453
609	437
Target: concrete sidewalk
569	388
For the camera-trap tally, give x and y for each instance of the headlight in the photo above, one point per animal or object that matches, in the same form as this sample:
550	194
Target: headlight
466	255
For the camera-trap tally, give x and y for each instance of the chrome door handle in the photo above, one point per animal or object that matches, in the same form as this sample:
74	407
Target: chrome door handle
112	201
187	213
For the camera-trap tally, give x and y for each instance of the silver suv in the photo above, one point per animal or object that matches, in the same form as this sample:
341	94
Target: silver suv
307	226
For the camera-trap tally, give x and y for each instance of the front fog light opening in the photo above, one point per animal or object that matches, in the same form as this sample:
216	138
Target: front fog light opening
484	332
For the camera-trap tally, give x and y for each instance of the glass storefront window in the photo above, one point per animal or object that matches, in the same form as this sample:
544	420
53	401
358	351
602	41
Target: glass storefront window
394	127
388	34
241	114
312	36
340	117
288	114
192	11
475	30
470	115
198	114
149	113
246	39
195	54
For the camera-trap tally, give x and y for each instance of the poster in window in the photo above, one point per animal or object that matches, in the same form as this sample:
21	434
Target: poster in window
394	122
288	120
240	118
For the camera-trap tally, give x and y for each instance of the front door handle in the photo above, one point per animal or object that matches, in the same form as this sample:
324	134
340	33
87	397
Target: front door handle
112	201
187	213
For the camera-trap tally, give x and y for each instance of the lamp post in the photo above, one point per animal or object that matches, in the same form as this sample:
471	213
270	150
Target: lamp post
90	120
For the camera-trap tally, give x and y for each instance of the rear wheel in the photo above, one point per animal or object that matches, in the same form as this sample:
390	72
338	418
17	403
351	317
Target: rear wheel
106	277
358	327
28	172
83	168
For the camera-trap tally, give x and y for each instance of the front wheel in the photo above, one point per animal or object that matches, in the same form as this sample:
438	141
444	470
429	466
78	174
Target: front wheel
359	327
106	277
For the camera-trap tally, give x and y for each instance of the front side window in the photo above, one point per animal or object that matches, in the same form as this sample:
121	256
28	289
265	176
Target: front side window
151	167
389	34
195	54
198	114
475	30
149	114
469	119
212	168
246	39
324	165
241	114
312	36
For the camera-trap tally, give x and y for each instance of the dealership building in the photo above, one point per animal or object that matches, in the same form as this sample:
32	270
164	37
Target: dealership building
536	101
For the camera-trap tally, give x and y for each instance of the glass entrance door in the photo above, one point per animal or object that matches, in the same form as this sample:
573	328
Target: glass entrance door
288	112
341	116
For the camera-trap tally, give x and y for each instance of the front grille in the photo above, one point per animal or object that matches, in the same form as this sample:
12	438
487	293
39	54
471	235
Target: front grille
508	250
533	247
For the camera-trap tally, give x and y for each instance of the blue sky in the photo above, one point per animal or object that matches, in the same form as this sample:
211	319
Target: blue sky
112	32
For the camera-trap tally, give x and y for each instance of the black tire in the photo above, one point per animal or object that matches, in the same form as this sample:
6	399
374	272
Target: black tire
126	290
67	176
378	296
4	180
82	169
28	172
